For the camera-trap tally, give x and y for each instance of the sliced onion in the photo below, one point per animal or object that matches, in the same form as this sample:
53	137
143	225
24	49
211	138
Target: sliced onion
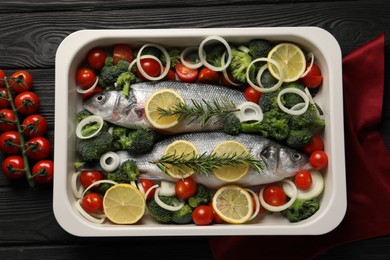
167	188
311	100
202	53
167	65
262	89
141	188
97	183
224	72
77	192
150	190
298	106
86	121
243	48
293	91
165	206
87	215
315	189
147	56
249	111
109	161
282	207
83	91
190	65
308	69
257	202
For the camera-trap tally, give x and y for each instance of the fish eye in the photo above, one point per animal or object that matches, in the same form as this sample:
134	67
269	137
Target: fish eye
296	157
100	98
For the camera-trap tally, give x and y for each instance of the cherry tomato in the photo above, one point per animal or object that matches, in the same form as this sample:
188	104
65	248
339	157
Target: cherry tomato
208	76
43	171
10	142
147	184
151	67
25	84
27	103
7	120
92	202
4	103
185	188
171	75
85	78
203	215
34	126
316	144
303	180
2	76
226	83
96	90
96	58
217	219
122	52
318	160
87	177
313	78
11	165
252	94
38	148
274	195
186	74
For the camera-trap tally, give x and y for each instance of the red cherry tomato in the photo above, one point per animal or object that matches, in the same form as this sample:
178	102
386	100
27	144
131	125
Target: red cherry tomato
147	184
25	84
274	195
43	171
203	215
185	188
186	74
252	94
303	180
10	142
11	165
38	148
4	103
96	90
217	219
34	126
151	67
208	76
318	160
7	120
226	83
85	78
87	177
313	78
2	76
92	202
27	103
96	58
122	52
171	75
316	144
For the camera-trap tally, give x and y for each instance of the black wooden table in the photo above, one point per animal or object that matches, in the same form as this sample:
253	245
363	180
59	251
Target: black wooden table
30	32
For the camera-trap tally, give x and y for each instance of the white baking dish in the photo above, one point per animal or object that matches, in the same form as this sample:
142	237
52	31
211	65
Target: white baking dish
72	52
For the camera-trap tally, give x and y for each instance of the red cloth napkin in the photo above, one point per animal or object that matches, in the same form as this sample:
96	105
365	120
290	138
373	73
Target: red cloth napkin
367	166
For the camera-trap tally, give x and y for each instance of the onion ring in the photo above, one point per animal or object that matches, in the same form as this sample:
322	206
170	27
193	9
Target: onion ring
167	65
262	89
86	121
165	206
282	207
202	53
294	91
188	64
83	91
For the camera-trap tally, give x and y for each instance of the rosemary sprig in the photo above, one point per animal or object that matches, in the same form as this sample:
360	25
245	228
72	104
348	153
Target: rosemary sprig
202	111
205	163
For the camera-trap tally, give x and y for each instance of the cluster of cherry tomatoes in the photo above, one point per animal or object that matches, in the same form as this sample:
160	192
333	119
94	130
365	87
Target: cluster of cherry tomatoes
20	121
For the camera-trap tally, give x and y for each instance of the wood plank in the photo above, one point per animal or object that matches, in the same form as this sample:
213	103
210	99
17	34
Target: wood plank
30	40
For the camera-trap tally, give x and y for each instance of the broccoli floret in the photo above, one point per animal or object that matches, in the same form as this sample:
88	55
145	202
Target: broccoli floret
182	216
92	148
298	138
124	81
174	55
259	48
268	101
127	173
239	64
309	119
301	209
152	51
102	188
291	99
231	124
267	80
82	115
157	212
110	72
202	196
214	54
90	128
138	141
118	131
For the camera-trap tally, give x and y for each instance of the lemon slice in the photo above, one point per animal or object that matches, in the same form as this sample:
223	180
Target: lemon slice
123	204
233	204
163	99
291	59
230	173
180	148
